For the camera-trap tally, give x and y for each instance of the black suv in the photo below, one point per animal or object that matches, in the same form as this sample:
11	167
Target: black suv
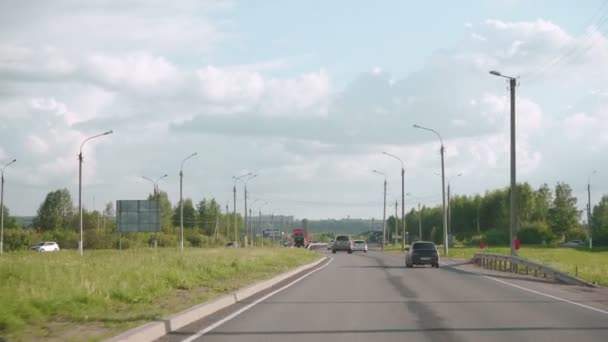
422	253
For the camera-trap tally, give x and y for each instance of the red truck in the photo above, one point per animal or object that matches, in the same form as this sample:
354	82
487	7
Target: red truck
300	237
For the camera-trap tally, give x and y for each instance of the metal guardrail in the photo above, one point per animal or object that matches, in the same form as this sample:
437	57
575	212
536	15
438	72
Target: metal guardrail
514	264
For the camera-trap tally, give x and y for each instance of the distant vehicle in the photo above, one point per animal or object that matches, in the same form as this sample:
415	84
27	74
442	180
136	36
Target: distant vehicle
360	246
231	244
287	244
422	253
329	244
300	237
46	246
342	243
574	243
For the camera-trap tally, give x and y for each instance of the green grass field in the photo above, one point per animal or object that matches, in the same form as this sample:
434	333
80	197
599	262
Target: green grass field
62	296
592	264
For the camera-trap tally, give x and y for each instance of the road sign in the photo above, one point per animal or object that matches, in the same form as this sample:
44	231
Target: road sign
138	216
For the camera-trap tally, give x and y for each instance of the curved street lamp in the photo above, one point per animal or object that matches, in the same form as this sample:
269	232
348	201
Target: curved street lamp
384	210
236	180
155	182
513	199
181	200
589	219
80	243
402	195
2	205
251	176
445	222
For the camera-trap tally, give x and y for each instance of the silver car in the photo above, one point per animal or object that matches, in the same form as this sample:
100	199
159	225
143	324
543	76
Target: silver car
360	246
342	243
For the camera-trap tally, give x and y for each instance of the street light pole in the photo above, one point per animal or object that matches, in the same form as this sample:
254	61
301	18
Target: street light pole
450	205
181	201
445	223
383	211
402	196
2	206
419	222
246	218
589	218
80	243
236	179
513	211
156	194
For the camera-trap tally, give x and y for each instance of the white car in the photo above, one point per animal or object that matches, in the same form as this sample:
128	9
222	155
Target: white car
47	246
359	246
574	243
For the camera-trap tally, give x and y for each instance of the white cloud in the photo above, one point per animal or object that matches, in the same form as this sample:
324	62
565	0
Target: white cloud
148	76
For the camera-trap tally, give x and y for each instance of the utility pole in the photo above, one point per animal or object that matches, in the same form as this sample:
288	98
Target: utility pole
227	223
236	179
245	243
234	215
513	216
449	211
589	217
80	243
445	221
260	224
419	223
2	205
251	227
402	196
384	218
272	228
513	206
396	223
181	201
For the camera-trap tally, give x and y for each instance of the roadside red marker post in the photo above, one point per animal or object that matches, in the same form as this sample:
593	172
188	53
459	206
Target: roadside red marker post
516	243
482	245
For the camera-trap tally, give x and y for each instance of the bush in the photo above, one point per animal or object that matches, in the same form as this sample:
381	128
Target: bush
67	239
576	234
475	239
497	237
535	233
18	239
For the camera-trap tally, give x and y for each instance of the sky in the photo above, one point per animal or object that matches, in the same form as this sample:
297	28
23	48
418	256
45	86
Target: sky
306	94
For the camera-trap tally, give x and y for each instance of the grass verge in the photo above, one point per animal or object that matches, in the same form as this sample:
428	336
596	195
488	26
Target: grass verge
63	296
591	265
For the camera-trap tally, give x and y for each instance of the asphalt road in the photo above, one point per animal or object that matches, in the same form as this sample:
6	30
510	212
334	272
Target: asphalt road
372	297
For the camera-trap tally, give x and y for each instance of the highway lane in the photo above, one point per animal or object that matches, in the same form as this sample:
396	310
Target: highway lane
372	296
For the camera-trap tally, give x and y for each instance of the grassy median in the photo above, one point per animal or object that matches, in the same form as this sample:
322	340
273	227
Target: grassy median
63	296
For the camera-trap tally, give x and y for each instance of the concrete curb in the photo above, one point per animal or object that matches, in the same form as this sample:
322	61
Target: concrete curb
154	330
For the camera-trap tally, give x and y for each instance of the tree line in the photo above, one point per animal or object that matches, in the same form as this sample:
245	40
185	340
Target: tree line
57	219
545	216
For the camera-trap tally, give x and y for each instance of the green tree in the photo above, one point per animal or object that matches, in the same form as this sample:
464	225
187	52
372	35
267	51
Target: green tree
166	211
543	200
189	214
108	222
599	219
9	221
209	213
56	211
563	214
494	210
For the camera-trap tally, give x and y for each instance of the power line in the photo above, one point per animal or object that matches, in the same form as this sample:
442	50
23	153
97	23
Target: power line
555	61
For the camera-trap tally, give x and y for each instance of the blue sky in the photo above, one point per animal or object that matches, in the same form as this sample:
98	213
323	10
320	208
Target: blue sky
306	93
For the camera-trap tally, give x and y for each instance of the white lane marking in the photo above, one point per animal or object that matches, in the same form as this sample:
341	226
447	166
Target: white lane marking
249	306
533	291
